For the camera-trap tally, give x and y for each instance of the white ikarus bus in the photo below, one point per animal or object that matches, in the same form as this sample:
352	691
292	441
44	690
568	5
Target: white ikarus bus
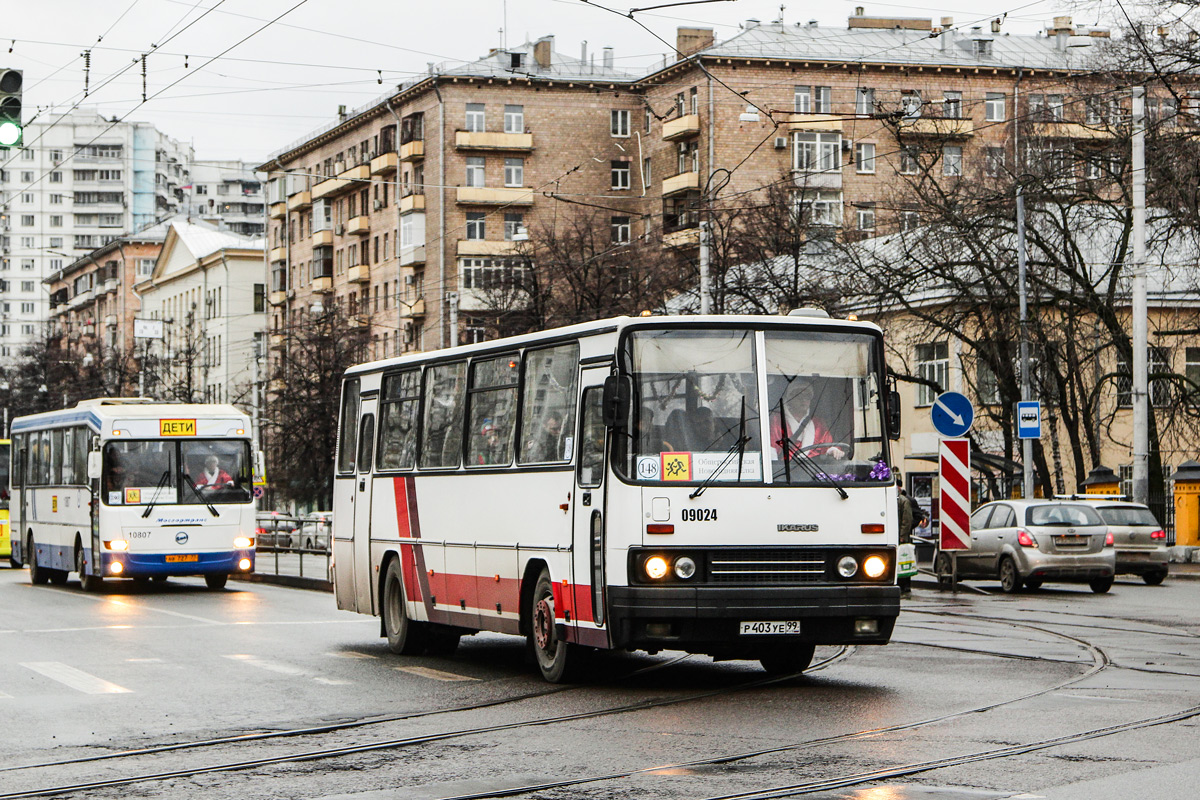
133	488
717	485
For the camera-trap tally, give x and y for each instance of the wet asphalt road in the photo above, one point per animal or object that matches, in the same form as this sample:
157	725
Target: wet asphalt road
1059	693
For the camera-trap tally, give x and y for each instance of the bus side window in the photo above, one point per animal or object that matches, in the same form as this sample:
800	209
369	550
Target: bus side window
347	443
83	438
441	433
399	407
548	404
67	473
591	432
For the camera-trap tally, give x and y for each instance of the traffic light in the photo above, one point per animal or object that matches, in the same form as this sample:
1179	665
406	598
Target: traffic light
10	108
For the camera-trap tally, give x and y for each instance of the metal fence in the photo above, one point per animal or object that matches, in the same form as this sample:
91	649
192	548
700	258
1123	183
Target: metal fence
294	546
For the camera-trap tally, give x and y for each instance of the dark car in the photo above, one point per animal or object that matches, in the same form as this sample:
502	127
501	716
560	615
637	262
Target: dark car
273	530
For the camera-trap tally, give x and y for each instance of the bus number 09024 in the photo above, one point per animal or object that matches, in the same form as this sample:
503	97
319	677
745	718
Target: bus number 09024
698	515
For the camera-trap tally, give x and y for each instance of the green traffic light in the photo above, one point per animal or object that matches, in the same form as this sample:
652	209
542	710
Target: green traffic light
10	134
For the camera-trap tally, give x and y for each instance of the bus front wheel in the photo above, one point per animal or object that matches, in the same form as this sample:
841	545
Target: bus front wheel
405	637
788	662
37	575
90	583
216	580
557	660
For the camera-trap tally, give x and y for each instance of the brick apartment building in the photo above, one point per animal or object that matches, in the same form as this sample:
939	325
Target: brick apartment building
400	210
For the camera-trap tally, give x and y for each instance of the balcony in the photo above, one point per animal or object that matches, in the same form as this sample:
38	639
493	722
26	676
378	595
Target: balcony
277	254
489	140
321	238
358	322
683	182
813	122
278	210
412	202
276	341
299	200
360	273
1072	130
383	164
322	285
681	128
937	127
278	298
81	299
482	247
688	237
412	151
481	196
415	308
817	179
358	226
413	254
110	285
347	179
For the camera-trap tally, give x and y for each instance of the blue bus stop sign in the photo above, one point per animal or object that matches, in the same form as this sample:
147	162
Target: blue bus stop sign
1029	419
952	414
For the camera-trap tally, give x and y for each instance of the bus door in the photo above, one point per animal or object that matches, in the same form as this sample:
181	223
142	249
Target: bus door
362	506
590	507
16	535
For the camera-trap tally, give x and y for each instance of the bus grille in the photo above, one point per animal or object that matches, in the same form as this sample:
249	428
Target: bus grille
767	566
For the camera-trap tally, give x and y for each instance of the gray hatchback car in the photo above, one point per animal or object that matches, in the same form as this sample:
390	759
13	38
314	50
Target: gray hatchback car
1028	542
1140	542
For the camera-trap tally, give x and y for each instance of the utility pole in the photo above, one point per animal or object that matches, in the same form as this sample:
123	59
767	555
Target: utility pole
1026	378
705	279
1141	395
452	301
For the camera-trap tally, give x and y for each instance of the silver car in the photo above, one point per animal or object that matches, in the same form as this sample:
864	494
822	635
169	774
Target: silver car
1028	542
1140	542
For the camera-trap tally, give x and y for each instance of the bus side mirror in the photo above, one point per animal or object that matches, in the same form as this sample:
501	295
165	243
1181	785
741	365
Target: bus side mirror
260	463
93	465
893	415
617	394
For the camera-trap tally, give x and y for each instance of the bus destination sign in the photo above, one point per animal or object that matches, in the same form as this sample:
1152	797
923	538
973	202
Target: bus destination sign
177	427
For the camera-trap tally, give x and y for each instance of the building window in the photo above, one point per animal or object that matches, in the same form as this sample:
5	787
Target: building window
820	208
817	152
56	221
476	221
933	364
475	117
620	230
993	107
1158	361
260	298
56	241
27	286
619	122
645	172
987	385
514	222
56	176
688	157
491	273
56	199
865	217
27	220
514	119
952	105
802	99
952	164
994	161
27	265
27	308
910	220
864	102
693	101
910	161
910	103
514	172
475	171
864	157
145	267
620	174
1046	107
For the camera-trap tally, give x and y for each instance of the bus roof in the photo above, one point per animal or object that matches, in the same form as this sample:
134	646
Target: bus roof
615	324
96	412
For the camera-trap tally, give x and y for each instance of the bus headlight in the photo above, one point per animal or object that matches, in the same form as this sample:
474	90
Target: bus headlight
244	564
655	567
116	568
874	566
242	542
685	567
847	566
119	545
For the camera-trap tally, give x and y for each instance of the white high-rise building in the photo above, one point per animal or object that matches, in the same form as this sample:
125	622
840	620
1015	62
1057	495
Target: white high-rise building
80	182
227	194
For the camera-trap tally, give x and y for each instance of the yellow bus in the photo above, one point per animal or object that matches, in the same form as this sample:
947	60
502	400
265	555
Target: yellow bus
5	544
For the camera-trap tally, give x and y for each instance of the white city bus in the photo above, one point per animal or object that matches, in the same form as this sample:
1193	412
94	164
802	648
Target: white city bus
133	488
622	484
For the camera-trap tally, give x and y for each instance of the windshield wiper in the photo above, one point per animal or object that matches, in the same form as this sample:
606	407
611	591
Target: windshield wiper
183	476
742	439
163	481
738	448
790	450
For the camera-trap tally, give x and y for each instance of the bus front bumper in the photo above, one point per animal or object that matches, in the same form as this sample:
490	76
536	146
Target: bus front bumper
138	565
708	619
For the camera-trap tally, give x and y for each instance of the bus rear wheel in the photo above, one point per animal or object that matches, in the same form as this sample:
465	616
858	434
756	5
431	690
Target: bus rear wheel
405	636
216	580
37	575
557	660
788	662
89	583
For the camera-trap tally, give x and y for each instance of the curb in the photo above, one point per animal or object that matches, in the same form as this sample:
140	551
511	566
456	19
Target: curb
293	581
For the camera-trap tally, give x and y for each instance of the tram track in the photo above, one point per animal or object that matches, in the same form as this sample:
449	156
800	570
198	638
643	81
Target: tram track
379	745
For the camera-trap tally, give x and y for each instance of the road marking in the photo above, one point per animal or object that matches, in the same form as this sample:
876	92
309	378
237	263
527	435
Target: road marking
434	674
351	654
75	678
283	669
144	660
1098	697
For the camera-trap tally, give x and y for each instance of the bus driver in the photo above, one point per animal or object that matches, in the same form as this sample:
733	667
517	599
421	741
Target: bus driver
213	477
801	428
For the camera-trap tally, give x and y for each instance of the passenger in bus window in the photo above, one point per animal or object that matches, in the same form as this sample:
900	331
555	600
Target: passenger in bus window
213	478
115	477
491	448
649	439
547	444
800	427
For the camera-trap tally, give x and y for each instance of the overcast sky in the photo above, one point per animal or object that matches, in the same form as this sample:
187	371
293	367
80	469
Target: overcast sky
286	80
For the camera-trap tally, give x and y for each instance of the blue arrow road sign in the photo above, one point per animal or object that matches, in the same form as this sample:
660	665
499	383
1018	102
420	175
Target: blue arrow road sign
952	414
1029	419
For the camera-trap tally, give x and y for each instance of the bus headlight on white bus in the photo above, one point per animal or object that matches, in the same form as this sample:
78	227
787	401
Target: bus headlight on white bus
847	566
685	567
244	564
117	545
656	567
875	566
242	542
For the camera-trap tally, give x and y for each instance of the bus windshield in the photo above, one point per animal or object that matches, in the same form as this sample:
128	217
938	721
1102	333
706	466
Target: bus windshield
172	472
5	448
696	410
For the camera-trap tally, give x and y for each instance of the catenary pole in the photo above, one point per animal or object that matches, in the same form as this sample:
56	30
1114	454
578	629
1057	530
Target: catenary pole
1141	405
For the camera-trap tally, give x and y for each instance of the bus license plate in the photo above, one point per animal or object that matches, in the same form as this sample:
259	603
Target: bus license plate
177	559
758	628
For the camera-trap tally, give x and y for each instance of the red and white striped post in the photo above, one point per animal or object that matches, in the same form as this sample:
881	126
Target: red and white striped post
954	474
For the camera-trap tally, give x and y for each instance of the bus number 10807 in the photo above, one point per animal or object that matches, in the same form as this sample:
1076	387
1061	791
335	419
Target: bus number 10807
698	515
